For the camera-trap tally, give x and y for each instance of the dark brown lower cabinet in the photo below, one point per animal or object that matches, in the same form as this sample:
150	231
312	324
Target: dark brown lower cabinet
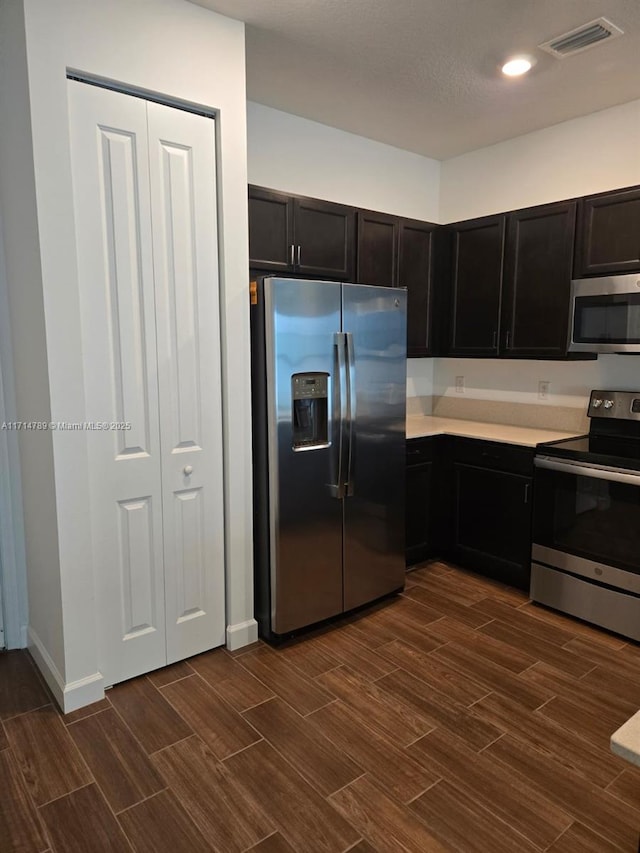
418	512
470	501
426	463
490	506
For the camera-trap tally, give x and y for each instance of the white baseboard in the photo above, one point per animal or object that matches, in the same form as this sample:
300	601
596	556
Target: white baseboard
242	634
83	692
69	696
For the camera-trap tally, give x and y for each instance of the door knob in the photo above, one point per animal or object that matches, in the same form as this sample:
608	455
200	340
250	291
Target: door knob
188	469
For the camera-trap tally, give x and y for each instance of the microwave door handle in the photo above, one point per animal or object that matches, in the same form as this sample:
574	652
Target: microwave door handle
597	472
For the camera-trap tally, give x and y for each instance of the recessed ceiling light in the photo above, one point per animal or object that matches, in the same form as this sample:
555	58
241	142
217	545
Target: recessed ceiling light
516	66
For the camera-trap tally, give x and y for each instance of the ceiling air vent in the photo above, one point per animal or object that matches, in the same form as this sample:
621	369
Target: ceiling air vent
581	38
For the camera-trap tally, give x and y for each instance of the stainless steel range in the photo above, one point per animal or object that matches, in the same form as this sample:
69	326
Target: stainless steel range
586	529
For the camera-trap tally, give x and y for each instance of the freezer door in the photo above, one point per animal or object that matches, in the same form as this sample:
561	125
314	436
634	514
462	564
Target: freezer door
374	320
303	353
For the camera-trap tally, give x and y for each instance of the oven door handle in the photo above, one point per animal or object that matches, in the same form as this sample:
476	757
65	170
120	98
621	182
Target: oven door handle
598	472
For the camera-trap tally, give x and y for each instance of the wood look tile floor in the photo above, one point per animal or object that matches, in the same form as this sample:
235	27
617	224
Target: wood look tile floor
456	717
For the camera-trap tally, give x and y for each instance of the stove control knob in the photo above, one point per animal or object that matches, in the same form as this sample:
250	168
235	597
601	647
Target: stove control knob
608	404
596	403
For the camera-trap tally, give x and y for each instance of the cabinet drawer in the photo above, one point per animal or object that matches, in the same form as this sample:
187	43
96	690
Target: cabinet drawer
419	450
512	458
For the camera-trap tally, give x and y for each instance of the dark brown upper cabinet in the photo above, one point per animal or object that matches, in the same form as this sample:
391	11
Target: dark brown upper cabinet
511	282
377	248
395	252
537	281
303	236
271	246
608	234
477	248
419	258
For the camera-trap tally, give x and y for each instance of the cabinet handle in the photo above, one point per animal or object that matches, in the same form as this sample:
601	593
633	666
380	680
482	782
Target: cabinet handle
508	340
291	255
526	492
495	340
298	261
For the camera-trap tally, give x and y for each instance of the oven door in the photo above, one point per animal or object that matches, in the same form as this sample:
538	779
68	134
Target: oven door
587	521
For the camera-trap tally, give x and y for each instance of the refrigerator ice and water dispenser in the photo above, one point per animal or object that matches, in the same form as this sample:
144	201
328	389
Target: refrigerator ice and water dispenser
310	415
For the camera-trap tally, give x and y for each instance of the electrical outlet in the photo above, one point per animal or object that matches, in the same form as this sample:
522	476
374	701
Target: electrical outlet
459	384
543	389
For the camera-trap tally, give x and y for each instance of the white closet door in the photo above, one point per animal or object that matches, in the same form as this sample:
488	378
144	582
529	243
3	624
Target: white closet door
183	193
110	168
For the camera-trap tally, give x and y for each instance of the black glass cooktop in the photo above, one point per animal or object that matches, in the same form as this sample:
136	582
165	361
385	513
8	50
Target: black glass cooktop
608	450
614	433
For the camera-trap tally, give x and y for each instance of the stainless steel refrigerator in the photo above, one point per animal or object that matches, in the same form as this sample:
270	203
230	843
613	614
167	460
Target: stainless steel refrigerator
329	402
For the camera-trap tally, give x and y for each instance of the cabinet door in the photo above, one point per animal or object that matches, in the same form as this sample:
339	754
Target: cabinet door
271	245
419	484
420	455
324	239
492	523
608	234
377	249
537	281
415	272
476	285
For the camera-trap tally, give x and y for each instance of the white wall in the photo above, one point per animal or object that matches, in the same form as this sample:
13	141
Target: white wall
420	377
586	155
515	380
18	214
296	155
590	154
179	51
13	580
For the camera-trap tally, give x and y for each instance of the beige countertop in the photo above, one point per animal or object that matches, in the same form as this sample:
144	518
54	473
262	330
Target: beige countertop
420	426
626	741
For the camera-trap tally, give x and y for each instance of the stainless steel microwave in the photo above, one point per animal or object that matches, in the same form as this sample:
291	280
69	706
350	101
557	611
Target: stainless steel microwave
605	314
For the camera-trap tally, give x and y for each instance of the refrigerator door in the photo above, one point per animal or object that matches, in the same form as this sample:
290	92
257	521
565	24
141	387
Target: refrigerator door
374	320
304	351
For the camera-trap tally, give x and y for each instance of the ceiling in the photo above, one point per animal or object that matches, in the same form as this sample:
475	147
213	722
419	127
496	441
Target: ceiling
424	75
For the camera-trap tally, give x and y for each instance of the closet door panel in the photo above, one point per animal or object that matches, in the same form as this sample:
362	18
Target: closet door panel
115	266
183	193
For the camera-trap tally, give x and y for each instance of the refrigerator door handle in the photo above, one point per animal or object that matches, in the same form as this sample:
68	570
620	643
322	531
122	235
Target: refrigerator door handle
339	416
351	411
